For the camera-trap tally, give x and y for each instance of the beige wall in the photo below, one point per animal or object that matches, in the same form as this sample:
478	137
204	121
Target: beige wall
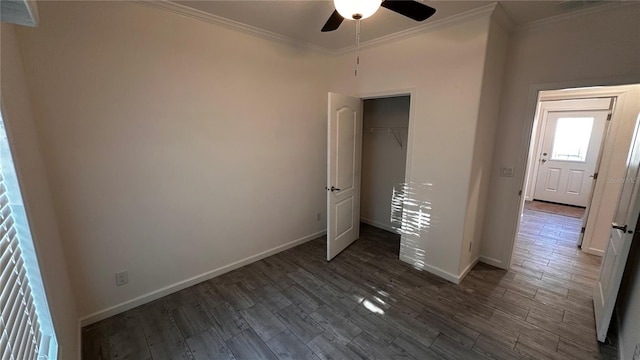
174	147
444	69
383	158
483	144
36	193
595	49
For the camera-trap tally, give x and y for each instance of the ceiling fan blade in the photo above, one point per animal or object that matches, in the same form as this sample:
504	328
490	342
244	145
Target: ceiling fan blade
334	22
409	8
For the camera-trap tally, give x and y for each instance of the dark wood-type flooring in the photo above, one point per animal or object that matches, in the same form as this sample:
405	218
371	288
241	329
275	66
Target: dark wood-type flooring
367	304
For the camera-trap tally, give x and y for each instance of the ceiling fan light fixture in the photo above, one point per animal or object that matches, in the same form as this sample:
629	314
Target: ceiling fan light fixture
357	9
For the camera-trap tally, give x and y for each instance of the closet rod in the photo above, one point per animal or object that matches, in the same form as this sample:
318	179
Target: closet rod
394	131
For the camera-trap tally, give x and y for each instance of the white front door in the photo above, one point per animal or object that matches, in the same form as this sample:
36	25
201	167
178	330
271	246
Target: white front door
570	148
623	228
343	172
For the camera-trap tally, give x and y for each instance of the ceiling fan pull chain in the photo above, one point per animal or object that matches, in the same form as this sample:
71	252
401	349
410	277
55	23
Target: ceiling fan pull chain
357	47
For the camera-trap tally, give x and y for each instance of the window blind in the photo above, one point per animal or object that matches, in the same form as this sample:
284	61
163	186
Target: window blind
26	329
21	336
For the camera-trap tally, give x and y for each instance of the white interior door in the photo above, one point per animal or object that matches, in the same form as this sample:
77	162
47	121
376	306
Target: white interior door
343	172
623	227
569	155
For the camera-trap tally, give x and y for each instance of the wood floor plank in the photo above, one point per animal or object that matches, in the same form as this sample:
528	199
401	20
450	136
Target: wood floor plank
580	335
532	350
271	298
519	300
155	317
263	322
450	349
327	347
574	351
191	319
374	325
368	347
95	343
305	279
287	346
208	345
505	336
367	304
334	298
179	298
248	345
238	296
227	321
492	349
336	325
526	329
413	348
168	344
587	321
416	329
437	302
302	298
208	292
300	323
131	344
462	335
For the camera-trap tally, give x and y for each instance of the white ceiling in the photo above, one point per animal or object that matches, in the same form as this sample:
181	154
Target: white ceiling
301	20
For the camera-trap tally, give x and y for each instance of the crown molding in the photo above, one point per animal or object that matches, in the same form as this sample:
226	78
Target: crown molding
542	23
502	19
472	14
268	35
231	24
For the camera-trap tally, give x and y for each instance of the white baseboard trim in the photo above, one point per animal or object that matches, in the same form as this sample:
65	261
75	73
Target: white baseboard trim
493	262
378	225
467	269
432	269
156	294
593	251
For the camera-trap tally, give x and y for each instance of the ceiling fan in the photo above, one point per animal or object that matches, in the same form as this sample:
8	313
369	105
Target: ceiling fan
362	9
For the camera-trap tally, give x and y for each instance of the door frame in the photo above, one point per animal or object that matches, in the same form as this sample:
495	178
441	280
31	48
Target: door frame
546	107
601	88
411	92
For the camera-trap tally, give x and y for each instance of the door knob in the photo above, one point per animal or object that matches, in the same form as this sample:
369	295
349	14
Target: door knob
544	160
333	188
618	227
544	154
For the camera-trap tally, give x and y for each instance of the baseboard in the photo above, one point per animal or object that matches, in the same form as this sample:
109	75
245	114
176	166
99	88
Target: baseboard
493	262
467	269
593	251
378	225
154	295
432	269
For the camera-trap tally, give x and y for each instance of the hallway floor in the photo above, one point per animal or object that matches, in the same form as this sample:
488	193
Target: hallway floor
366	304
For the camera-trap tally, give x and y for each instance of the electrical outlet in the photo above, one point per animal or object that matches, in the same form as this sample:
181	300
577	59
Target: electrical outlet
507	172
122	278
318	216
